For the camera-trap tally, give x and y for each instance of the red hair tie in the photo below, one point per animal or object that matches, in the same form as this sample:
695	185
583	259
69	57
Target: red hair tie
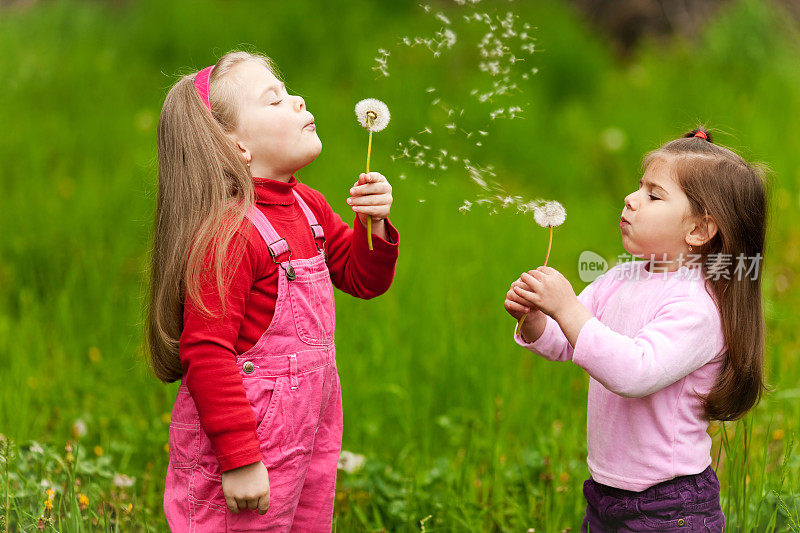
201	85
702	135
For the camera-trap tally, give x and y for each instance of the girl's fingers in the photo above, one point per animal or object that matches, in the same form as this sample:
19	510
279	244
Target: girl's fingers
521	284
374	199
379	211
263	503
511	295
529	279
514	307
371	188
527	296
232	505
252	504
372	177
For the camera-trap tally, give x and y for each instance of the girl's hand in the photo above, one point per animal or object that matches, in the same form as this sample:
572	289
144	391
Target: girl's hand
516	305
535	321
547	289
247	487
371	195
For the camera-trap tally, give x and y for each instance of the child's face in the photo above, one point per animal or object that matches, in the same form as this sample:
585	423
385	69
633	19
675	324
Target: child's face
275	131
656	215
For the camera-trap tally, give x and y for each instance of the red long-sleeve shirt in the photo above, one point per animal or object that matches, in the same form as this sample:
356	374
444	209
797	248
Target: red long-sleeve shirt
208	347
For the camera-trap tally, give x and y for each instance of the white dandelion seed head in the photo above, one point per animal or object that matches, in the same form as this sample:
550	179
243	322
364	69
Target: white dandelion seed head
372	114
36	448
550	215
350	462
122	481
79	428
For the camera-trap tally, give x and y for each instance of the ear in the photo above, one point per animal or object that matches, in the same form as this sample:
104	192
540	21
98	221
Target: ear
242	149
703	229
245	152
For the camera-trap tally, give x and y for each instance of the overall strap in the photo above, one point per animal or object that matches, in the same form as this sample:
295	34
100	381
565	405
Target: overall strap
316	229
275	243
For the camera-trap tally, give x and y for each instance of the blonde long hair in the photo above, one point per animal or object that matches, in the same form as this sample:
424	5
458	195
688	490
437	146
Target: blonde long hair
204	191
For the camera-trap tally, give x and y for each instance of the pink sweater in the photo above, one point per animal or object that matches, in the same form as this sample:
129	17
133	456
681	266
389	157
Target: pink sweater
655	343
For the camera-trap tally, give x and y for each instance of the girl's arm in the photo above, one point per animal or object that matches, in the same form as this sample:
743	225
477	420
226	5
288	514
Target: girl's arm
354	268
211	374
684	335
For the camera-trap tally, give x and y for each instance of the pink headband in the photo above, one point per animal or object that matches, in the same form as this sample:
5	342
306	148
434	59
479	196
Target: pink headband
201	85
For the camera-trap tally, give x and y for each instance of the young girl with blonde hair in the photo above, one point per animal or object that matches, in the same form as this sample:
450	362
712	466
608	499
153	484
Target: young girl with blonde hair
241	310
669	343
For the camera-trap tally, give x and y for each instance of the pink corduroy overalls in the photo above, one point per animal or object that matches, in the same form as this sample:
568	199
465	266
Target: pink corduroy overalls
291	381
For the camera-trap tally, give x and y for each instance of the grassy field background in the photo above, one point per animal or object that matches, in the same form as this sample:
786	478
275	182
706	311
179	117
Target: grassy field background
461	429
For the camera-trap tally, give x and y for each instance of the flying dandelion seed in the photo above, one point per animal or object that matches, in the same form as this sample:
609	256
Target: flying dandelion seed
503	47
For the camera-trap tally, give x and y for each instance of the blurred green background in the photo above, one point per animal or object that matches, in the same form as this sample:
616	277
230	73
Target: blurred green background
461	429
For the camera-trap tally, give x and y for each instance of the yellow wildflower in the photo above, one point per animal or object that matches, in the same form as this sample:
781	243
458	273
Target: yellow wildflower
94	354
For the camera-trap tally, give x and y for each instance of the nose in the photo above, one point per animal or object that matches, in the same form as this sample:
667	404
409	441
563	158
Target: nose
630	201
300	104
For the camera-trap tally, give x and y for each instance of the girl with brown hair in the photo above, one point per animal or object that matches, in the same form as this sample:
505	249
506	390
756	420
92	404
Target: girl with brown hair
669	343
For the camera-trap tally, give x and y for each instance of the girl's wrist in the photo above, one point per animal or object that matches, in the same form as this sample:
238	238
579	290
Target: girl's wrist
533	326
572	319
378	226
363	218
564	313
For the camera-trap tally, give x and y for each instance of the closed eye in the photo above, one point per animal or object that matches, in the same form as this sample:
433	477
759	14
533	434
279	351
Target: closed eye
654	197
276	102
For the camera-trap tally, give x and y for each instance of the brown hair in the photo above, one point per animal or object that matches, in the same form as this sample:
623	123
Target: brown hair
204	190
722	185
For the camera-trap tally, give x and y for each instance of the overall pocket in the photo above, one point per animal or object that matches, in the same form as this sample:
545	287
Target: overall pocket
313	308
184	432
264	395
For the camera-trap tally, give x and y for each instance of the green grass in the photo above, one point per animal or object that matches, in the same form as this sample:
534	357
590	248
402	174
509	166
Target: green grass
462	429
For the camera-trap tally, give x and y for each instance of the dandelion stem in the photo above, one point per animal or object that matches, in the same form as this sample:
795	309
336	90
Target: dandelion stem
549	246
546	257
369	218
